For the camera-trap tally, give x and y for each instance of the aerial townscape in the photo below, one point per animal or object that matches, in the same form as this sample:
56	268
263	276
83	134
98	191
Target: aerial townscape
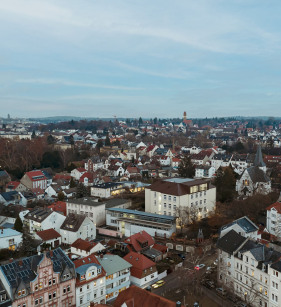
140	153
164	212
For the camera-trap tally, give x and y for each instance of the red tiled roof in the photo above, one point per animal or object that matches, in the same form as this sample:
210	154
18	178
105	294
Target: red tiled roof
137	297
276	206
81	169
139	237
139	263
38	191
12	185
62	176
88	175
83	245
160	248
48	234
36	173
59	206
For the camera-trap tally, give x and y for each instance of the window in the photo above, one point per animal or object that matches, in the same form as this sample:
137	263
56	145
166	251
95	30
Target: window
164	212
36	287
81	300
68	288
170	206
81	289
36	302
170	197
175	199
50	296
54	280
64	290
50	282
165	197
55	294
40	300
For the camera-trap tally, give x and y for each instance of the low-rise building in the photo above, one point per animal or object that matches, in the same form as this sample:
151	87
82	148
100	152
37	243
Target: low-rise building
10	238
49	237
85	248
117	274
40	219
143	270
41	280
90	281
107	189
77	226
273	219
129	222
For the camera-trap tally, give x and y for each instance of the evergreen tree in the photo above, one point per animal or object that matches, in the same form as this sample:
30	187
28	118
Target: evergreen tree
107	141
140	121
33	135
225	183
18	224
72	183
186	168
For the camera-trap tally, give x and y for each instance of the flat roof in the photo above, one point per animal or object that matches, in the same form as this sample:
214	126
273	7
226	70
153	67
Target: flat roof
179	180
148	214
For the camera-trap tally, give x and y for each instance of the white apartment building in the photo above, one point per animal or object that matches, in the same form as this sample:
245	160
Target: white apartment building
90	282
10	238
180	197
243	226
117	274
40	219
273	219
77	226
89	207
250	270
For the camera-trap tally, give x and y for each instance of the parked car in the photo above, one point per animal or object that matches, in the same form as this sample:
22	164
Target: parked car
199	267
221	291
158	284
182	256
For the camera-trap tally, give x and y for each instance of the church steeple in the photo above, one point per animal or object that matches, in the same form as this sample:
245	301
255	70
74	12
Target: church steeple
259	160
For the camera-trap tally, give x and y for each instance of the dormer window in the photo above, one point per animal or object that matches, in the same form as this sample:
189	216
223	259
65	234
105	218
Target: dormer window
82	277
99	270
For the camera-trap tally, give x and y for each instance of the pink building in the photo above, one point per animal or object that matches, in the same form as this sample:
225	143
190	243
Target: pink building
41	280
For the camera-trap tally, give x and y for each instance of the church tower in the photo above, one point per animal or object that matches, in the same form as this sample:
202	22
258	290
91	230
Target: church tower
184	116
259	160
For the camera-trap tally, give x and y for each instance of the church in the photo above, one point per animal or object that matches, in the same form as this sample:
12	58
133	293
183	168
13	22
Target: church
254	179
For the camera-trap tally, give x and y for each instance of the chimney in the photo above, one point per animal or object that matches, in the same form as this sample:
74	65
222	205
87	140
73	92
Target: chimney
20	263
11	260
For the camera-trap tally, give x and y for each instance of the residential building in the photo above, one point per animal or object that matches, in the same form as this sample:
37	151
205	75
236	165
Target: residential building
89	207
143	270
41	280
249	269
90	281
77	226
273	218
77	173
107	189
12	197
244	226
129	222
204	171
35	179
117	274
10	238
40	219
49	237
181	196
85	248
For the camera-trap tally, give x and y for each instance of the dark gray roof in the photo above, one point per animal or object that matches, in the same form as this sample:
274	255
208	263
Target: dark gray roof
86	201
73	222
4	174
10	196
230	242
257	175
258	158
38	214
245	223
116	202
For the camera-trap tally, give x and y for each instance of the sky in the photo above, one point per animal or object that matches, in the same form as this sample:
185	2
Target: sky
100	58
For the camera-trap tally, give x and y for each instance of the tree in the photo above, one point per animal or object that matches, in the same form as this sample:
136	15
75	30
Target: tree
72	184
140	121
61	196
18	224
186	168
99	144
50	139
82	191
107	141
71	140
225	183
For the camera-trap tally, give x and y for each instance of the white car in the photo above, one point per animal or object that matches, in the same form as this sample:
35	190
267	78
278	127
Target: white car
199	267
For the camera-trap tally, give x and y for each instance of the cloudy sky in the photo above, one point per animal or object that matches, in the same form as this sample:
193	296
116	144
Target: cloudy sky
101	58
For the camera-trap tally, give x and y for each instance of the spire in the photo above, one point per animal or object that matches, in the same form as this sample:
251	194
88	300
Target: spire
258	159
